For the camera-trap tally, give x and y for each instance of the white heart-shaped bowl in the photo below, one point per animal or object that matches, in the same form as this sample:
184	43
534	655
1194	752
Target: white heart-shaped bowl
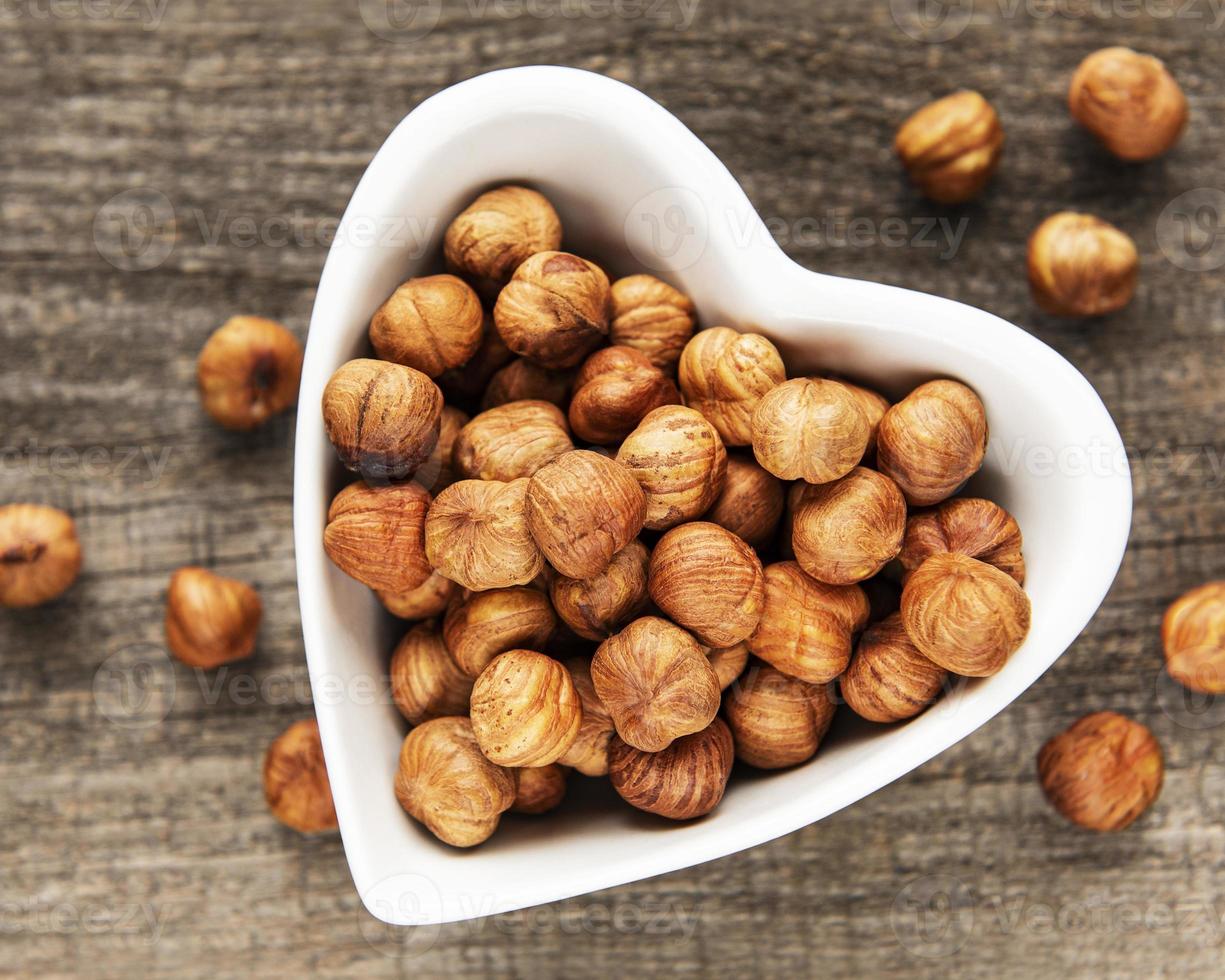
637	191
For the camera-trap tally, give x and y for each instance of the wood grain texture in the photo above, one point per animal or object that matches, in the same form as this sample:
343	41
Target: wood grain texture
129	851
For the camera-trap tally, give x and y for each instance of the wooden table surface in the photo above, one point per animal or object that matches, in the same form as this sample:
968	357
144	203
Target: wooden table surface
146	849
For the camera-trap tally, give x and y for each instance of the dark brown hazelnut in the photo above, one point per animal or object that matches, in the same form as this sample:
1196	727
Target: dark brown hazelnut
432	323
615	389
652	317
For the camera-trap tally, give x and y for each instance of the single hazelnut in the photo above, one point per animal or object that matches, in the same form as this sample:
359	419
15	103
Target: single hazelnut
210	620
432	323
1193	634
476	534
932	441
724	374
965	526
40	556
296	780
489	623
751	504
467	383
776	720
445	782
599	606
425	680
810	429
1082	266
615	389
888	678
1129	101
494	234
847	531
438	472
511	441
554	310
807	627
652	317
709	581
728	663
582	509
589	752
964	615
427	600
540	790
248	371
951	147
377	535
677	457
521	380
1102	772
525	710
382	418
682	781
874	406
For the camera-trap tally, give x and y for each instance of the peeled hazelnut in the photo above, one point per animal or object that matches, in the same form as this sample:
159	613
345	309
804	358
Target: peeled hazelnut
652	317
437	472
807	627
468	382
494	234
751	504
432	323
476	534
445	782
709	581
889	679
1081	266
489	623
248	371
377	535
425	681
874	406
724	374
655	682
1129	101
728	663
1193	633
589	752
521	380
40	556
810	429
296	780
932	441
951	147
964	615
1103	772
511	441
677	457
428	599
597	607
582	509
847	531
776	720
554	310
382	418
525	710
210	620
965	526
680	782
615	389
540	790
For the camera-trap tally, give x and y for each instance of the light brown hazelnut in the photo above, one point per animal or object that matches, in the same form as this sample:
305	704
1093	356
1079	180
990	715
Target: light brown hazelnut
751	504
383	419
1193	634
489	623
511	441
521	380
597	607
615	389
497	232
724	374
652	317
476	534
810	429
777	721
445	782
847	531
677	457
1129	101
432	323
655	682
709	581
468	382
211	620
1102	772
1081	266
874	406
965	526
377	535
682	781
952	146
427	600
40	555
964	615
932	441
248	371
437	472
525	710
589	752
425	681
540	790
728	663
554	310
889	679
296	783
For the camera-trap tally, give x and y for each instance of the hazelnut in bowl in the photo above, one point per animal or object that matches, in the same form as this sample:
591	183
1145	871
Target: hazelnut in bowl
618	169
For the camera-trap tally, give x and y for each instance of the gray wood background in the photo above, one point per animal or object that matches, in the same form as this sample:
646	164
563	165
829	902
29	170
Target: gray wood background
134	845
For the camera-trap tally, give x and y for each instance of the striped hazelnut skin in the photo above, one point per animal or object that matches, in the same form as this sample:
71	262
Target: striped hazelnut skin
445	782
431	323
427	600
540	790
652	317
296	785
476	534
709	581
497	232
615	389
377	535
589	752
683	781
965	526
655	681
807	627
751	504
932	441
728	663
964	615
810	429
40	554
1193	634
1129	101
211	620
847	531
525	710
951	147
511	442
888	678
425	681
777	721
724	374
1081	266
1103	772
874	406
598	607
489	623
248	371
521	380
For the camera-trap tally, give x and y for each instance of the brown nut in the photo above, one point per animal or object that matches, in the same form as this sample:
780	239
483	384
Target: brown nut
382	418
724	374
497	232
489	623
964	615
521	380
468	382
210	620
40	555
1081	266
296	783
1193	634
709	581
425	681
445	782
776	720
965	526
655	682
685	780
932	441
511	441
554	310
751	504
889	679
427	600
951	147
540	790
1102	772
1129	101
728	663
874	406
248	371
438	472
810	429
847	531
615	389
476	534
589	752
597	607
582	509
525	710
652	317
432	323
377	535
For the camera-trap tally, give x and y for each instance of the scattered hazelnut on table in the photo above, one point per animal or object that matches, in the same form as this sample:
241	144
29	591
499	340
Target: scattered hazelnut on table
1081	266
1129	101
377	535
521	380
685	780
467	383
210	620
615	389
588	753
248	371
599	606
476	534
511	441
724	374
497	232
40	555
967	526
296	783
810	429
751	504
427	600
425	681
554	310
888	678
728	663
1193	634
525	710
652	317
951	147
431	323
490	623
776	720
848	530
540	790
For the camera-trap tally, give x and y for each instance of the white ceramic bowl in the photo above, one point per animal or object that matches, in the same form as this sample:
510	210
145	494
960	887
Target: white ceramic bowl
636	190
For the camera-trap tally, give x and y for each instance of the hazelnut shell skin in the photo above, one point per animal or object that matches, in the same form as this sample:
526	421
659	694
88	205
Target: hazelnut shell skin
597	607
847	531
40	554
588	753
724	374
951	147
810	429
487	624
426	683
681	782
775	720
728	663
888	678
1129	101
511	441
296	785
751	504
431	323
248	371
540	790
211	620
874	406
497	232
476	534
521	380
652	317
967	526
1193	635
525	710
615	389
1081	266
377	535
